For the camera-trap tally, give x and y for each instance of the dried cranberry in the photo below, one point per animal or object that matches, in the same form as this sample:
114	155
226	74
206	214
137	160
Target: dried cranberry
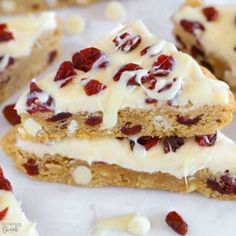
90	58
128	129
34	103
163	65
11	114
166	86
59	116
3	26
180	41
3	213
127	67
94	119
144	51
206	140
4	34
148	141
93	87
172	143
52	56
225	185
197	52
184	120
1	172
31	167
149	81
5	184
151	101
210	13
191	26
176	222
65	73
127	42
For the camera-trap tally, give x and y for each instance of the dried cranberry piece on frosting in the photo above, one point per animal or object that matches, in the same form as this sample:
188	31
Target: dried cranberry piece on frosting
128	67
60	116
176	222
94	87
206	140
4	34
65	73
38	100
94	119
151	101
163	65
172	143
3	213
131	144
127	42
5	184
31	167
210	13
148	141
90	58
129	129
11	114
184	120
149	81
191	26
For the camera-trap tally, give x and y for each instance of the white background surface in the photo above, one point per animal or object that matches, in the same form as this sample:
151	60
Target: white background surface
68	211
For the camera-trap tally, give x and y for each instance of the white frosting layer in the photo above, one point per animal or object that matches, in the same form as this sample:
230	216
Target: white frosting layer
26	30
219	36
186	161
190	85
15	223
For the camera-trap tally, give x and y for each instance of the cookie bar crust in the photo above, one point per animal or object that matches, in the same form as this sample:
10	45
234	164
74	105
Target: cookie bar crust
57	168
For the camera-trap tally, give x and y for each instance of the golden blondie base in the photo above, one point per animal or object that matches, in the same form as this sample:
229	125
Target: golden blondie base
22	6
44	51
160	122
57	168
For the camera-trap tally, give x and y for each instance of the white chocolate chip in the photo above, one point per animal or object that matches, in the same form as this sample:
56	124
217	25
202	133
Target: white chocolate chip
32	127
74	24
139	225
115	10
8	5
161	121
82	175
73	126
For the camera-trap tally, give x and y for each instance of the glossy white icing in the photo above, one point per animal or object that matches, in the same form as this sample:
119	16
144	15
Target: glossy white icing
219	36
188	83
186	161
26	30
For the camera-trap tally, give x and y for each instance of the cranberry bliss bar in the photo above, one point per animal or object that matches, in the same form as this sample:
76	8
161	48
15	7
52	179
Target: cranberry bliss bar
131	110
204	164
11	215
28	44
129	83
208	34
